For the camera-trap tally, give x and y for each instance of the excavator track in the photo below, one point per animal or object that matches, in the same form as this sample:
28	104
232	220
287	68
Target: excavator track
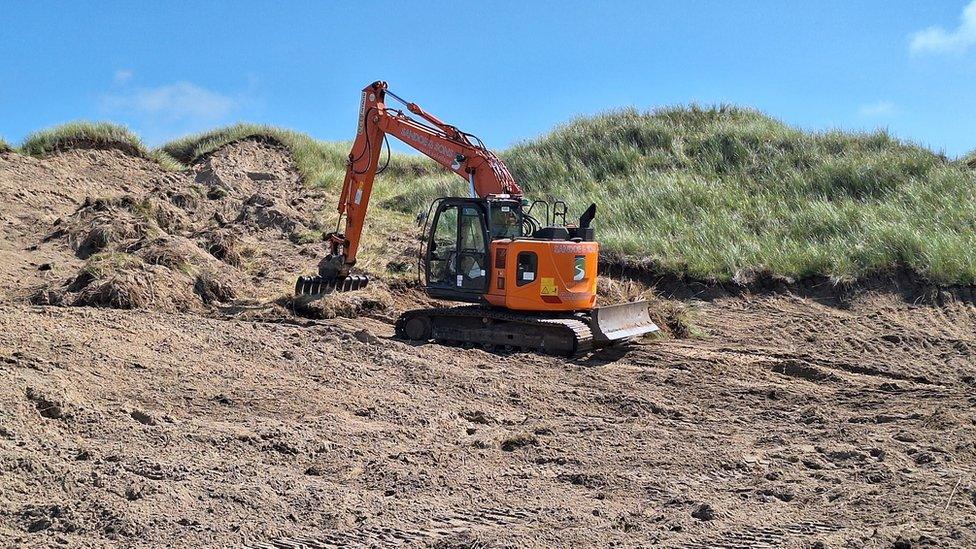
497	329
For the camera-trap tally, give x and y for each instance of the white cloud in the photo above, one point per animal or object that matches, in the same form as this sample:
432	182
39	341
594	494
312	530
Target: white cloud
940	40
181	101
161	113
877	109
122	76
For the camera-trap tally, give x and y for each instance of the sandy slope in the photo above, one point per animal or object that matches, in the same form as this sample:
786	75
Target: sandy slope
791	419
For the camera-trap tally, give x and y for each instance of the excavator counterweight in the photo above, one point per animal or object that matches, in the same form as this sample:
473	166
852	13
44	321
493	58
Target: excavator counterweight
532	281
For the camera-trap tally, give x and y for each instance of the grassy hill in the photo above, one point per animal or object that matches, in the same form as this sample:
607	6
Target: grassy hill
719	193
725	192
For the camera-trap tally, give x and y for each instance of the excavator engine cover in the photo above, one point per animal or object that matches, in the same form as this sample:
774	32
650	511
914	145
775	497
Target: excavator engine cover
621	322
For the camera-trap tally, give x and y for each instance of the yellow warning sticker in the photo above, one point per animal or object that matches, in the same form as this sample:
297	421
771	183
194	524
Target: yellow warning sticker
548	286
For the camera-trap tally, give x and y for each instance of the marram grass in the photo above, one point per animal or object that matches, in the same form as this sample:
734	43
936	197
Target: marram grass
98	135
718	193
722	193
321	163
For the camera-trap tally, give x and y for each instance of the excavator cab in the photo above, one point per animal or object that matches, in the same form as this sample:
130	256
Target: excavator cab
492	250
456	251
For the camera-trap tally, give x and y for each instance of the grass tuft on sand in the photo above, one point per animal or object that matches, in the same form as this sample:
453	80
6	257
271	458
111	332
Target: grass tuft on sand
91	135
4	146
316	161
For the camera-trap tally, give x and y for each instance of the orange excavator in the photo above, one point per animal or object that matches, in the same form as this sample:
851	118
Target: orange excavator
533	282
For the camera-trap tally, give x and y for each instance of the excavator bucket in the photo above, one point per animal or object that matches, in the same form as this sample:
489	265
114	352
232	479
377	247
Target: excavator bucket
620	322
318	285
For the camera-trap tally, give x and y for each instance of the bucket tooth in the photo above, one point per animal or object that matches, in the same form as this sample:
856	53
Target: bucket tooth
318	285
620	322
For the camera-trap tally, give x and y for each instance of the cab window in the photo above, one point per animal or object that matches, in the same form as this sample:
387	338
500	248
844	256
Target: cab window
443	247
472	249
526	269
504	222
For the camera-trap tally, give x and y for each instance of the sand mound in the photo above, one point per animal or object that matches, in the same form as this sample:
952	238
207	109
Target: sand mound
225	230
37	196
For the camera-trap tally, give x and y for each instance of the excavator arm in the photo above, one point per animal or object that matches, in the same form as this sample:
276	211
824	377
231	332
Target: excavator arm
485	173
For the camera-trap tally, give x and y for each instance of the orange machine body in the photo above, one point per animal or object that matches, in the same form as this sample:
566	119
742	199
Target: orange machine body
543	275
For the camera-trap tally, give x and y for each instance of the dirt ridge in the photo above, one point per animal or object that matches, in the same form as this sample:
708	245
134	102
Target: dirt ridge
901	281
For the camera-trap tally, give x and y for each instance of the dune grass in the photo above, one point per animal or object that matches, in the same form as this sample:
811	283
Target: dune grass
725	193
83	134
318	162
91	135
720	193
4	146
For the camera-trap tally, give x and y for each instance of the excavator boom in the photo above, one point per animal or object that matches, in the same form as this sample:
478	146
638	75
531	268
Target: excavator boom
486	174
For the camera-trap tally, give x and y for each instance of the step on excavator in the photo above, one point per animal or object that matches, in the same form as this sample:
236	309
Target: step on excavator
529	274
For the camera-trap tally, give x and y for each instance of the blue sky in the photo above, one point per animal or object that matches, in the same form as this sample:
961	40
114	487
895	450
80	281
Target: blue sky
506	71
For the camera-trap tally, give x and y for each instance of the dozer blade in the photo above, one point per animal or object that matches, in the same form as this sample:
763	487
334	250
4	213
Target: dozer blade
317	285
620	322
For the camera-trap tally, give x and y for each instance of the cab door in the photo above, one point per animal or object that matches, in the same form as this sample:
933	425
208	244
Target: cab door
457	251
